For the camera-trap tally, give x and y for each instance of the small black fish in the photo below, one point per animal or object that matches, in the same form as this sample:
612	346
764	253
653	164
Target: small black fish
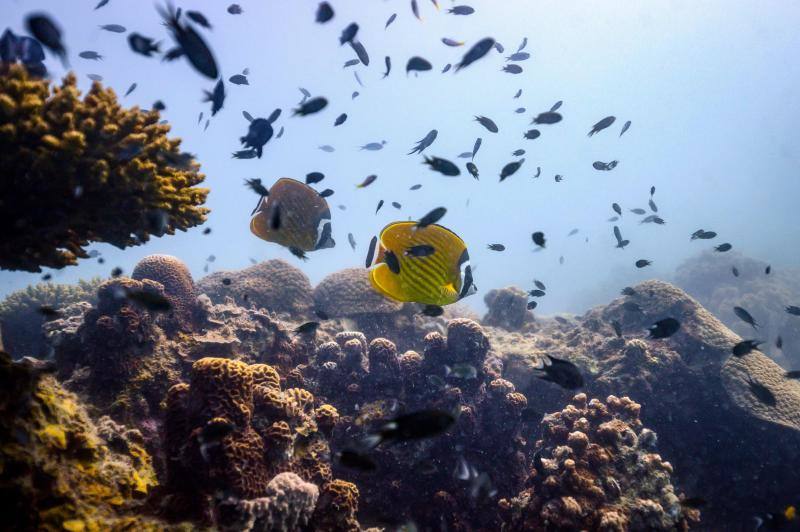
390	20
641	263
396	205
311	106
418	64
472	169
652	204
340	119
149	300
415	187
617	209
793	310
235	9
349	33
217	97
745	346
420	250
561	372
326	193
794	374
114	28
388	62
368	181
496	247
198	18
443	166
745	316
548	117
601	125
538	239
488	123
762	393
116	272
392	262
324	13
532	134
142	45
158	105
664	328
540	285
48	312
638	211
190	44
779	342
239	79
722	248
356	460
512	69
371	251
432	217
617	328
628	291
413	426
510	169
606	167
314	177
538	292
433	310
47	32
380	204
532	305
256	186
297	252
478	50
308	327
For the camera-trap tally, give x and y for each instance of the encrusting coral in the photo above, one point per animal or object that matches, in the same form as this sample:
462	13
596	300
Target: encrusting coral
86	170
58	471
595	469
22	317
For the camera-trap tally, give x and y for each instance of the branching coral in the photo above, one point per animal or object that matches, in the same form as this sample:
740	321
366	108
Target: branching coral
82	170
596	469
21	316
57	470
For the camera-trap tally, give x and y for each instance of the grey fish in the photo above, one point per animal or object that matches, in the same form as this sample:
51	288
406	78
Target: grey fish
360	51
722	248
113	28
617	208
510	169
131	89
327	148
352	240
518	152
418	64
625	128
90	54
200	117
550	117
415	187
499	47
198	18
390	20
349	33
601	125
216	97
235	9
476	147
100	4
388	61
538	171
443	166
532	134
519	110
523	44
373	146
350	62
415	9
324	13
95	77
340	119
621	243
142	45
653	206
519	56
239	79
488	123
745	316
472	169
518	94
638	211
556	106
280	133
512	69
312	106
354	95
446	68
465	155
478	50
426	141
461	10
600	165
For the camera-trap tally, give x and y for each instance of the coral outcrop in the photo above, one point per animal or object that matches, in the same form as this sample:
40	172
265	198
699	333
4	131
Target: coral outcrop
348	293
596	469
507	308
274	285
22	314
60	471
86	170
178	285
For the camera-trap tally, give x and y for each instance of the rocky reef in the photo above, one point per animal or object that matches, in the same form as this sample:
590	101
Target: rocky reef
240	422
73	165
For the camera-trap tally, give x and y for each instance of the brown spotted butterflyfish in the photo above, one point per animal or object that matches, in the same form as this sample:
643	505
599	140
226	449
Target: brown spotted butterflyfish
294	215
440	276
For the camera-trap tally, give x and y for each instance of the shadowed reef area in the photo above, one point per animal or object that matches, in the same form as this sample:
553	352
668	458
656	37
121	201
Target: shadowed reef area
217	413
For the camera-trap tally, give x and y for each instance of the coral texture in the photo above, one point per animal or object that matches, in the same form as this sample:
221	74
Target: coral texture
348	293
58	471
86	170
507	308
596	469
274	285
21	316
178	285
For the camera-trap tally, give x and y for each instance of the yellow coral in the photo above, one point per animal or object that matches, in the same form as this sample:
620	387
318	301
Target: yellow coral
100	172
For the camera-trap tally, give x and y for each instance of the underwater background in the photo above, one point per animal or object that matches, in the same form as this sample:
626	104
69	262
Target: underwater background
212	378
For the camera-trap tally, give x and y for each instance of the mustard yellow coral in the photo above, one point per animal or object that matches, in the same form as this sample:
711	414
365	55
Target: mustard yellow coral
86	170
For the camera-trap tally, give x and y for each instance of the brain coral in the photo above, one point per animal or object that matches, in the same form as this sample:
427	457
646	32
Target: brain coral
77	171
173	274
595	469
274	285
21	320
348	293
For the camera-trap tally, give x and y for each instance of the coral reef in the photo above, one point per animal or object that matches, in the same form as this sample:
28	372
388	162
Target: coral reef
21	316
507	308
596	469
274	285
86	170
233	430
348	293
708	277
178	285
58	471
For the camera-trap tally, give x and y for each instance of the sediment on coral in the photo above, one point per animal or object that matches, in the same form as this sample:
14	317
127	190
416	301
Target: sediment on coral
596	469
120	178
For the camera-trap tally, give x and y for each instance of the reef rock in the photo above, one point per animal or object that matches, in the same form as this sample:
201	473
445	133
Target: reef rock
508	308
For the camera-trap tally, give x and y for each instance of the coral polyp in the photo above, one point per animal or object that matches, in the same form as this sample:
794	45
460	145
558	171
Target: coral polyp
81	170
